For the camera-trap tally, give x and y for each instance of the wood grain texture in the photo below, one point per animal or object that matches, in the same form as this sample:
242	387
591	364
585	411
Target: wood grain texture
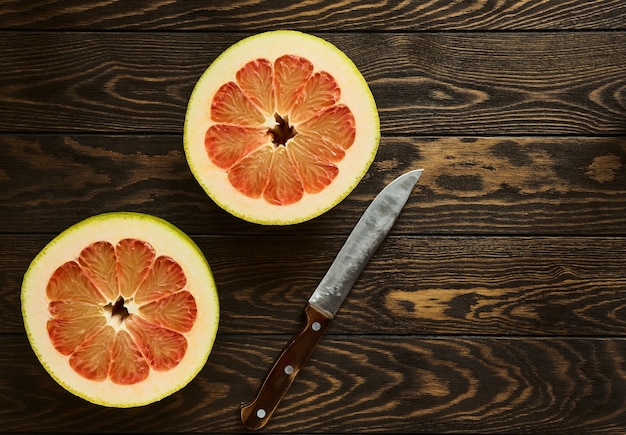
496	305
437	84
499	286
490	385
316	15
480	185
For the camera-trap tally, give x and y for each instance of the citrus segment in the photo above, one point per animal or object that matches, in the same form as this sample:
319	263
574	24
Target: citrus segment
319	92
228	144
290	75
70	283
134	258
283	181
66	335
335	124
164	278
128	365
98	261
231	106
256	81
92	357
319	147
71	310
267	94
316	172
176	312
249	175
162	347
121	309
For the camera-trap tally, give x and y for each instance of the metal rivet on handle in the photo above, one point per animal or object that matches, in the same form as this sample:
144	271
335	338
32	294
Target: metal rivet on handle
316	326
260	413
288	369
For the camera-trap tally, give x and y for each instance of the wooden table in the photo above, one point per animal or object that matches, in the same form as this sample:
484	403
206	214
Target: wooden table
497	304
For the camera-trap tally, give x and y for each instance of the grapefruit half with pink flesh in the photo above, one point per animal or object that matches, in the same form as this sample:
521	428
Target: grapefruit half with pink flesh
121	309
280	128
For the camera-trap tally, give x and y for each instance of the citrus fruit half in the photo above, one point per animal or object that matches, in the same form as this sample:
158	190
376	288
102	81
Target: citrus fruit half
121	309
280	128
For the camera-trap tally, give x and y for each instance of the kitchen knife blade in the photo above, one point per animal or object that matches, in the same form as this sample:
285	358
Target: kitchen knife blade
332	290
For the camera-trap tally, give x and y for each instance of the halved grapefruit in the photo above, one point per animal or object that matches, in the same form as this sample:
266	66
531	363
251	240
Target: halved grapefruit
121	309
280	128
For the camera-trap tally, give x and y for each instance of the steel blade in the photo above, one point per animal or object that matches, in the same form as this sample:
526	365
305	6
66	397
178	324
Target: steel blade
367	235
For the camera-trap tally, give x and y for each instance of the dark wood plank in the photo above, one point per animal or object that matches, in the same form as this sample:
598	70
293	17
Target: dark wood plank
318	15
356	384
536	286
512	185
425	84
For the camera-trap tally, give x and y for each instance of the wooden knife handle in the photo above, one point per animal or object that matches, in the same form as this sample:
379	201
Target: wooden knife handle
256	413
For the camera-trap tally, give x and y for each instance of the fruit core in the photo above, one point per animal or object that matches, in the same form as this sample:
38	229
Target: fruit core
282	131
117	311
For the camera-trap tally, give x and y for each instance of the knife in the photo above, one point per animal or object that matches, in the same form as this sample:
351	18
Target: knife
325	301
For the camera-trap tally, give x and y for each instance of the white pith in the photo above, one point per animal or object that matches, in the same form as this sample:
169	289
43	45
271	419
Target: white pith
166	240
355	94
